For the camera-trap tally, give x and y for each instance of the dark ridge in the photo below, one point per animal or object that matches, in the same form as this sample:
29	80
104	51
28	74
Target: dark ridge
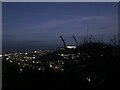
97	67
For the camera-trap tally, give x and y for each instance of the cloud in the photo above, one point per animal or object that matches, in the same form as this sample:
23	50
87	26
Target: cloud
59	23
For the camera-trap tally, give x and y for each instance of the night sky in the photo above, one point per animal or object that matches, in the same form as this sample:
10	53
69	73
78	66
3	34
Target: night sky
32	26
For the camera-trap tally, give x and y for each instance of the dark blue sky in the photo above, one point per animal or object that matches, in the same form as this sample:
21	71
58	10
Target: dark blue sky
39	25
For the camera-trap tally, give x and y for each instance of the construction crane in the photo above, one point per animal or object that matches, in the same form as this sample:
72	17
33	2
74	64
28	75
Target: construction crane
87	36
63	41
75	41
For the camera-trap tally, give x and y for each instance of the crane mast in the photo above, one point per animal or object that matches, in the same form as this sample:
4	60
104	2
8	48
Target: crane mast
63	41
75	41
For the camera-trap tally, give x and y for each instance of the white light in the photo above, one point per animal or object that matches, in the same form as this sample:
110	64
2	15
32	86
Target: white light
21	59
37	62
18	63
50	65
20	70
11	61
88	79
0	56
26	53
62	54
72	57
35	51
56	67
33	61
7	58
33	57
6	55
62	69
88	56
101	55
71	47
39	68
15	53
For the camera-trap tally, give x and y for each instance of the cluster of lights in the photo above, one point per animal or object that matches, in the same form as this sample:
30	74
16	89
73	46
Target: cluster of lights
88	79
69	56
31	61
57	66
